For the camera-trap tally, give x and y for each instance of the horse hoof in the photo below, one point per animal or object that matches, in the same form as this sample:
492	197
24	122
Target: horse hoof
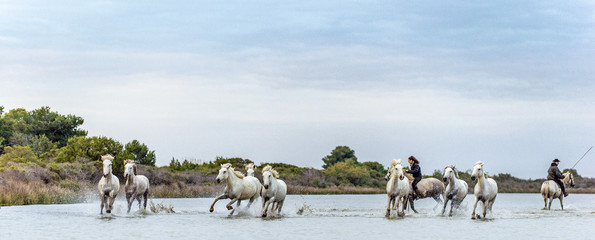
108	211
211	210
473	217
229	207
264	215
415	211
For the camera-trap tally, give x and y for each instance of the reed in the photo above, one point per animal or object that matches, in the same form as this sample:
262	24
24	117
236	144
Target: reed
295	189
24	193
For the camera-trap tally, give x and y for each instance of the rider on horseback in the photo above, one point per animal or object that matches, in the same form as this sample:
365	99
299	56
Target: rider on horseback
554	174
415	170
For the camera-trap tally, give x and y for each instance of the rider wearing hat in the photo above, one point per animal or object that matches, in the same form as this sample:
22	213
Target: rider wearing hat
415	170
554	174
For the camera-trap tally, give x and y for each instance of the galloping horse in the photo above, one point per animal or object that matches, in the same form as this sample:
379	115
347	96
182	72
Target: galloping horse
427	187
108	186
136	185
550	190
485	189
274	191
238	187
456	189
397	188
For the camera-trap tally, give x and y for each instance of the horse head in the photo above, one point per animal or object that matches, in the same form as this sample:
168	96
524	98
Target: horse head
570	181
107	164
129	168
267	176
477	171
224	172
250	169
395	165
449	171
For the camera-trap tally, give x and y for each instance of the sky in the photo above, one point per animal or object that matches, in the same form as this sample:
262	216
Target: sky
509	83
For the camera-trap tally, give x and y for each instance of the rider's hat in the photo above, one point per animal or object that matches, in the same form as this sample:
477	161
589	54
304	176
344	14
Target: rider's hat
556	160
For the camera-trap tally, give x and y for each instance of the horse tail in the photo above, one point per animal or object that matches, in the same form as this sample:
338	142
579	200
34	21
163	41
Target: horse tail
545	189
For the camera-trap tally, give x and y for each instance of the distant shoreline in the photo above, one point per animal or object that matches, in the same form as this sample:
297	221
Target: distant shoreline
16	193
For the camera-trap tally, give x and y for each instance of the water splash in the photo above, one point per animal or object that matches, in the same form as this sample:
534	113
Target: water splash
160	207
304	209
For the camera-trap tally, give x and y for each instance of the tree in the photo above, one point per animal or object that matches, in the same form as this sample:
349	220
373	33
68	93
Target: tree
5	130
56	127
175	165
140	153
19	127
236	163
339	154
376	169
349	172
92	149
18	154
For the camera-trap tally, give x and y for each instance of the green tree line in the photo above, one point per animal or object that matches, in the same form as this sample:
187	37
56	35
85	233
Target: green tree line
44	136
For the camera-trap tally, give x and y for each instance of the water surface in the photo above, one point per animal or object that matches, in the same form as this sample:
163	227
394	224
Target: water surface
516	216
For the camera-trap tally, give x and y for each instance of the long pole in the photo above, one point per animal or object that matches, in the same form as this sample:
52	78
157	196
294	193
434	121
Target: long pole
581	157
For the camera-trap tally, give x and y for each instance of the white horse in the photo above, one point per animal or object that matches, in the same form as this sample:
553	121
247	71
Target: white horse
250	169
485	190
397	188
427	187
109	185
550	190
456	189
136	185
238	187
274	191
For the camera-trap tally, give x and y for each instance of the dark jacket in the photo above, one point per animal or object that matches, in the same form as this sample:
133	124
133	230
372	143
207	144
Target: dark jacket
554	173
415	170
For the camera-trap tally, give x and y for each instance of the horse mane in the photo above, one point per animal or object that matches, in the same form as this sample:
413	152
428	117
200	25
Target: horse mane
395	162
409	176
454	169
480	163
107	157
237	173
273	171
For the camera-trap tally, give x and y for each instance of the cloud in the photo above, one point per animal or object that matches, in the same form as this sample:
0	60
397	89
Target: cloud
510	84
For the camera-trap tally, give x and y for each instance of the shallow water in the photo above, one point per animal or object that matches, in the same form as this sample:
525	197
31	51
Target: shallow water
516	216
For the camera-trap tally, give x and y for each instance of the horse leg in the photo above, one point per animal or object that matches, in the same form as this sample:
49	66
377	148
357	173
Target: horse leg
405	199
475	206
228	206
250	201
102	202
549	205
561	205
545	203
388	207
485	208
398	206
145	197
270	204
279	206
452	206
130	201
138	199
271	200
445	204
110	206
412	205
222	196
